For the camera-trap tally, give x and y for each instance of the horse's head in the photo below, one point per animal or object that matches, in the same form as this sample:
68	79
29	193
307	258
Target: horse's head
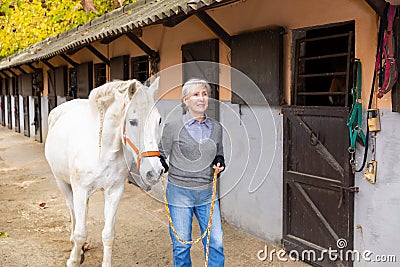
141	131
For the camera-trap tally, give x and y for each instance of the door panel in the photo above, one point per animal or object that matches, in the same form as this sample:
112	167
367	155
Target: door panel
119	68
37	84
15	85
318	197
52	96
85	79
2	110
26	116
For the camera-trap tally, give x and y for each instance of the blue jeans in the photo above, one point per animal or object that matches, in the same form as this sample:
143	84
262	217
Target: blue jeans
183	202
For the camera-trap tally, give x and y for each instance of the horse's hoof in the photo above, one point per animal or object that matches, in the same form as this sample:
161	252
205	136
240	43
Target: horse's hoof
70	263
82	258
85	247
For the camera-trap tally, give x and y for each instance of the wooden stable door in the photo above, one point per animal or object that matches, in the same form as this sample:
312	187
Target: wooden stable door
16	92
318	184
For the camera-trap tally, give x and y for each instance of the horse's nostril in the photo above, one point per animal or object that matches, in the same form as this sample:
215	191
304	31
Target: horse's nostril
149	176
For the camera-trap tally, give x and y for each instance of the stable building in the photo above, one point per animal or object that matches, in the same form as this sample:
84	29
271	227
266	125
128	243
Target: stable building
283	73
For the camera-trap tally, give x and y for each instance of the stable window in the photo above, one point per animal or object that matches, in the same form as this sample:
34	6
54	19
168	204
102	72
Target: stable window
84	79
100	74
140	68
323	65
119	68
73	83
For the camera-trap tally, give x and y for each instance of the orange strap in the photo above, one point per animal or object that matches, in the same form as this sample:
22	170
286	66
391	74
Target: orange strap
140	155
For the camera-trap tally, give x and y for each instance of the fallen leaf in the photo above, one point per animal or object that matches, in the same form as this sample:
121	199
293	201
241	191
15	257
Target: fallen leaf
3	235
42	205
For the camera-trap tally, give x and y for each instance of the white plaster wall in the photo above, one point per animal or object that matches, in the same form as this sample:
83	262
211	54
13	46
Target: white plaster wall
60	100
1	105
31	117
13	113
45	116
21	113
377	216
6	110
251	186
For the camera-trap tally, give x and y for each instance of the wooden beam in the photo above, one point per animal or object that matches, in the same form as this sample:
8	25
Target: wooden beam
109	39
21	69
214	27
71	52
68	59
48	64
378	6
12	73
31	66
4	74
141	45
175	21
98	54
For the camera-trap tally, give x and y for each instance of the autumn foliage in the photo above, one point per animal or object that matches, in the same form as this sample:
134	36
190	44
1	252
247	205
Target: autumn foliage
26	22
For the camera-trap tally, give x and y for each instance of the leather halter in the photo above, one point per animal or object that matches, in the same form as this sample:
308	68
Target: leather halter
128	141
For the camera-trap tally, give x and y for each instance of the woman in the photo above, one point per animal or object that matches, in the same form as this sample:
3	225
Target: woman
193	144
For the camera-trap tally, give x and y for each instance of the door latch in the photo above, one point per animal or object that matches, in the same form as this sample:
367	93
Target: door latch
350	189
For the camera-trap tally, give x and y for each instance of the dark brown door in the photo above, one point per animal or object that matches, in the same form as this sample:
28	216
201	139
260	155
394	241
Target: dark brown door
37	84
26	116
84	79
119	68
16	104
2	110
203	51
52	96
318	199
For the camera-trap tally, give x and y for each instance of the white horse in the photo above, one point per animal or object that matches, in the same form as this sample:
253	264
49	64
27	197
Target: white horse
84	148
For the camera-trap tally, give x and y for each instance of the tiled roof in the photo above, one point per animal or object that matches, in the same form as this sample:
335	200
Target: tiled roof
136	15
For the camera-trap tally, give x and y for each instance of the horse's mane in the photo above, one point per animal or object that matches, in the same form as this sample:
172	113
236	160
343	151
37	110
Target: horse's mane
104	95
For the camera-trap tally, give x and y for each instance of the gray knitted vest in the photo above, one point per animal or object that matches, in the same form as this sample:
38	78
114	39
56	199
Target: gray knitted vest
190	162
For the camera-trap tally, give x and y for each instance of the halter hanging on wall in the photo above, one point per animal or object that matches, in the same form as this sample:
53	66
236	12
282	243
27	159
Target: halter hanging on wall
386	65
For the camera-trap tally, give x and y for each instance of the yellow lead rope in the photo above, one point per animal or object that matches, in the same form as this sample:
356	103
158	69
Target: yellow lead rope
209	225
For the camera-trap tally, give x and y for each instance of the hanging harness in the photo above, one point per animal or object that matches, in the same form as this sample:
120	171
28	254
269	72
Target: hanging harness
385	63
385	30
354	120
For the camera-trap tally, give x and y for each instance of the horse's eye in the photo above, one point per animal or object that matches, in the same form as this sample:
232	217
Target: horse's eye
160	121
133	122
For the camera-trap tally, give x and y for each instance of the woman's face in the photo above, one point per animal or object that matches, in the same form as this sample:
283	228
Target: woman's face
197	101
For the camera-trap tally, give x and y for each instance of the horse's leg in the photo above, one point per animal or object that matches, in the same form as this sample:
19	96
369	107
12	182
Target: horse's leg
112	197
66	189
80	199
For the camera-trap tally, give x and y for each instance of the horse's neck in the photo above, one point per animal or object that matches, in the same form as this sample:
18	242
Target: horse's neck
110	123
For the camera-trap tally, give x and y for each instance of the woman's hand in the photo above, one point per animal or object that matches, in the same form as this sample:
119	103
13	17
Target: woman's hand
164	163
218	167
219	163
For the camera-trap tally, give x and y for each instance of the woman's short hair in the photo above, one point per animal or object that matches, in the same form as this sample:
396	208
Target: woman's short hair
193	83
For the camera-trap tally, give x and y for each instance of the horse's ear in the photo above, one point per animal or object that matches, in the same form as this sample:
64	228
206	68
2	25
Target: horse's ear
154	87
132	89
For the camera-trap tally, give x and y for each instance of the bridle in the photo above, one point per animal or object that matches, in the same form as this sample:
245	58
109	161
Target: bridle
127	140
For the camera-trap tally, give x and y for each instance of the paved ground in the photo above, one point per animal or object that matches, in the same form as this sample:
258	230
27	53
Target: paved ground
38	236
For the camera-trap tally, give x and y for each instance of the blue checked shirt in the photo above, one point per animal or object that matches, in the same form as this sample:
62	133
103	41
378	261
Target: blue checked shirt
200	131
